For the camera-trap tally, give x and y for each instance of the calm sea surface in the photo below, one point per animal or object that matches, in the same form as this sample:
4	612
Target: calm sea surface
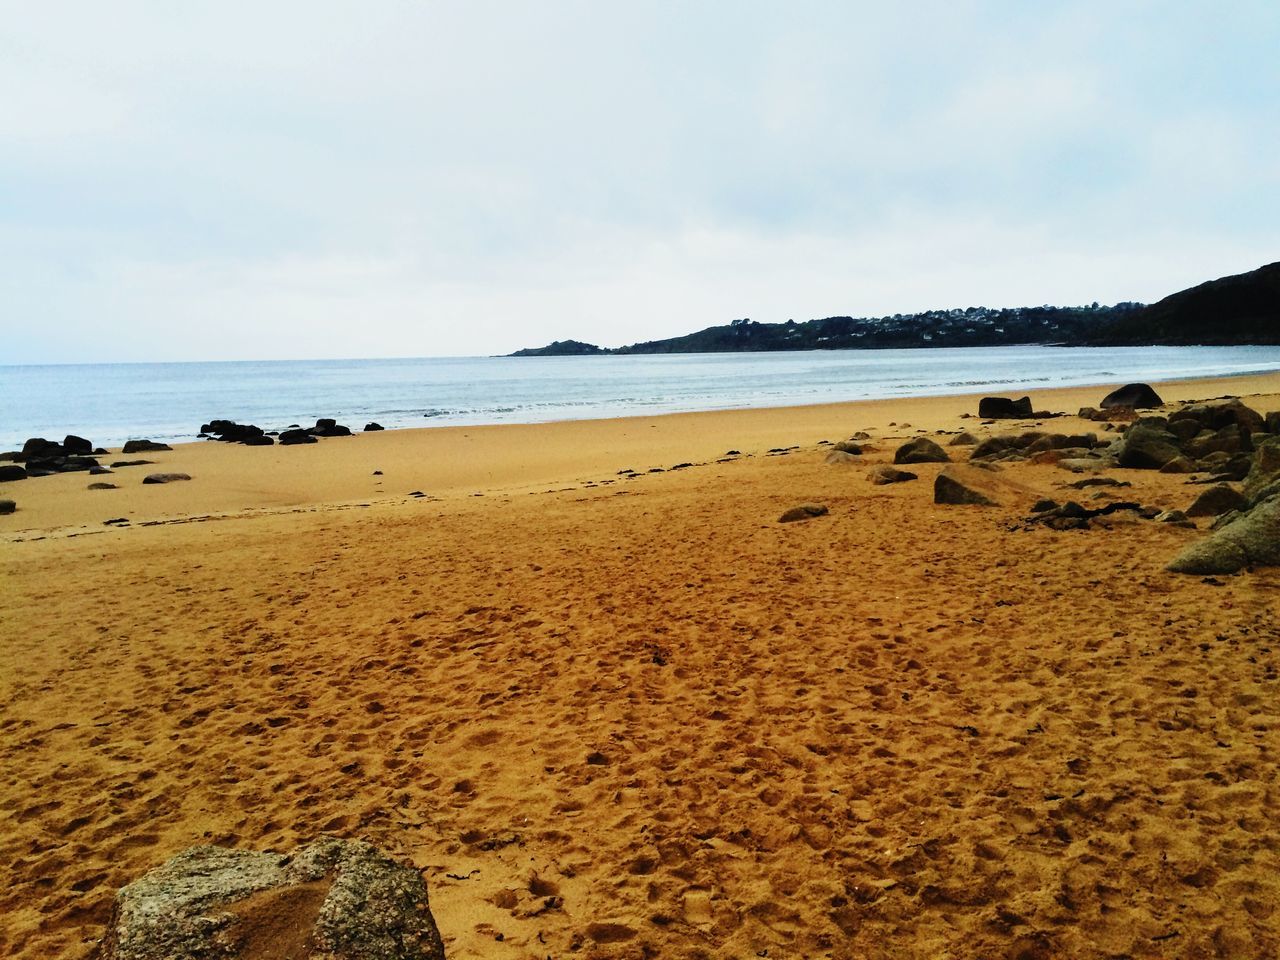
111	403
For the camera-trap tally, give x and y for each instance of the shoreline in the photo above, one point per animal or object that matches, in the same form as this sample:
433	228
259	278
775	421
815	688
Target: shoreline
452	462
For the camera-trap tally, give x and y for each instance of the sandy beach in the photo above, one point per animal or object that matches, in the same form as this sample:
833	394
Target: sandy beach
615	712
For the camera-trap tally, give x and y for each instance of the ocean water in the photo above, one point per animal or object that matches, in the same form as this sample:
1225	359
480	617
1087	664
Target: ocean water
111	403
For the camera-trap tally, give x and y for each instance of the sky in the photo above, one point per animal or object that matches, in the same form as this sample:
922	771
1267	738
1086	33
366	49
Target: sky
210	181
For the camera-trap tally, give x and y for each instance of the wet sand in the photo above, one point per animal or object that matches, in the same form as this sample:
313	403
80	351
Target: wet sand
615	717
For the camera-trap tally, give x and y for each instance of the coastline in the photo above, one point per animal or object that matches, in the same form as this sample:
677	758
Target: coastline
642	717
452	462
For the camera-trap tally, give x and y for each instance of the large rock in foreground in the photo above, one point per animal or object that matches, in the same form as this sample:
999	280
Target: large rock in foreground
1252	539
957	484
334	899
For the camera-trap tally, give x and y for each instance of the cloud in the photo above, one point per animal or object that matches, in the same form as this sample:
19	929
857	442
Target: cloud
449	178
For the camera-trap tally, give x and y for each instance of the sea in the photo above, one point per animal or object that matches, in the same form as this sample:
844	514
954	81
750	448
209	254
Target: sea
111	403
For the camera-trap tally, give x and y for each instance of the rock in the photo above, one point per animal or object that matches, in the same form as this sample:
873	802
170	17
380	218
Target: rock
77	445
165	477
98	471
1228	439
806	511
1040	506
920	450
258	440
144	446
1263	478
886	474
336	899
1137	396
7	506
1216	501
1088	413
228	431
995	446
965	439
40	447
1179	464
328	427
12	471
290	437
1002	408
962	484
1272	422
1217	414
1251	539
1148	445
847	446
372	427
103	486
1176	517
840	457
132	463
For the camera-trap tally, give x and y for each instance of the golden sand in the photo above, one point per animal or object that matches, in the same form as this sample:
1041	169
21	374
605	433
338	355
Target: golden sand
615	717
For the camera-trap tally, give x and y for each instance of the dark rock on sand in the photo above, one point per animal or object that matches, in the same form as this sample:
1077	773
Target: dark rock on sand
1263	478
1002	408
1216	414
144	446
965	439
98	471
165	477
337	899
1137	396
40	447
372	427
295	436
963	485
886	474
1148	445
1216	501
132	463
806	511
7	506
920	450
847	446
328	427
1251	539
258	440
103	486
77	445
12	471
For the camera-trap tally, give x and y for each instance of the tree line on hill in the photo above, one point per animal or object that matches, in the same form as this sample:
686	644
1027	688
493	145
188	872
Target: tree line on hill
1239	309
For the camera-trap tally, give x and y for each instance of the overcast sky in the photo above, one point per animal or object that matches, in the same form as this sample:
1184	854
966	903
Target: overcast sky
316	179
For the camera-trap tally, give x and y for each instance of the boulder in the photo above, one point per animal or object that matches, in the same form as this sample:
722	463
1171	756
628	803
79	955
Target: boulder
132	463
920	450
840	458
296	435
1002	408
40	447
336	899
1263	478
258	440
806	511
965	439
995	446
165	477
144	446
1217	500
7	506
1216	414
957	484
372	427
1272	422
1251	539
78	445
12	471
886	474
1148	445
103	486
1228	439
847	446
328	427
1137	396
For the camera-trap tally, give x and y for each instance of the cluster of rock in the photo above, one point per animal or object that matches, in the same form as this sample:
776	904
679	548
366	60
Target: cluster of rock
337	899
1003	408
40	458
251	435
